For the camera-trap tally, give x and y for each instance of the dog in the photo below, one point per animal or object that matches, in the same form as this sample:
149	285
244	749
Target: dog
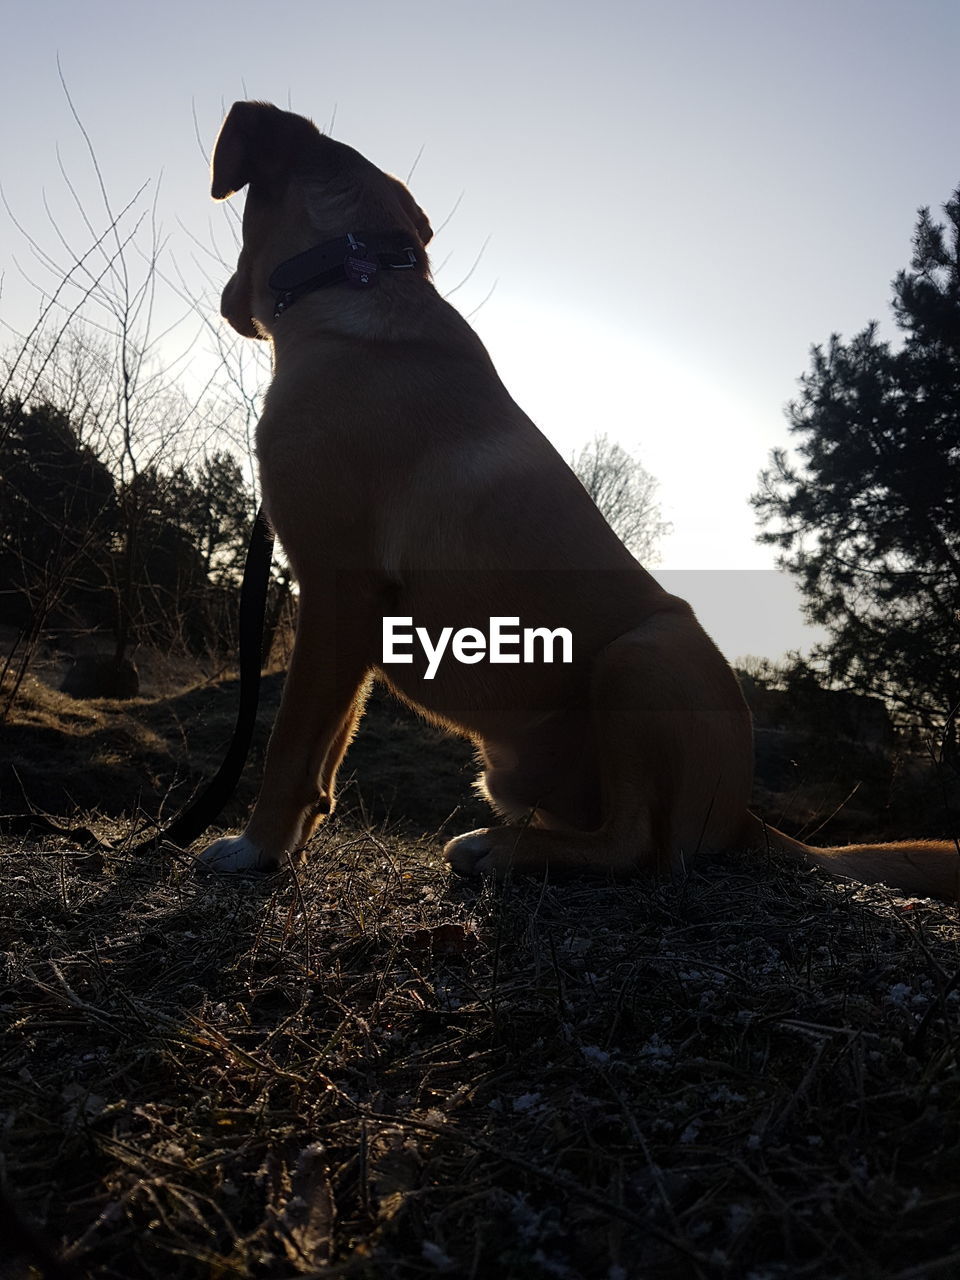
407	488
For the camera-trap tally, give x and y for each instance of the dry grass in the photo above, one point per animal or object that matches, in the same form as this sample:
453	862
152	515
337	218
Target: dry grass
368	1069
148	756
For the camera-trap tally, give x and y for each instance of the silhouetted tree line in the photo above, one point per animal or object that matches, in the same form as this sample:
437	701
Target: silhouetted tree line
868	515
789	696
154	559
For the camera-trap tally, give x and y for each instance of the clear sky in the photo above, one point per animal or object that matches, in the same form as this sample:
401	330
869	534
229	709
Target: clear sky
680	198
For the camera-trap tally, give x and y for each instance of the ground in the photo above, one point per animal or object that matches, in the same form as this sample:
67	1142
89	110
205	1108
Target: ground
364	1067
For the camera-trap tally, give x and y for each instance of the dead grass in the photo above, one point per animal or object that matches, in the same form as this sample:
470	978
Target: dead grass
149	755
371	1070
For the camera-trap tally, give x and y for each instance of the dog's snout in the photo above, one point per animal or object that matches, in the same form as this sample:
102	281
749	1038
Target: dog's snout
236	309
226	296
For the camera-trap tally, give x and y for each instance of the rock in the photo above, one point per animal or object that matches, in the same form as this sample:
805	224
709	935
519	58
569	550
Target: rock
100	676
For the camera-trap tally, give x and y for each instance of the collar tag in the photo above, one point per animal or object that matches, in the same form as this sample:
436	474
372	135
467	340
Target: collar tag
360	272
359	266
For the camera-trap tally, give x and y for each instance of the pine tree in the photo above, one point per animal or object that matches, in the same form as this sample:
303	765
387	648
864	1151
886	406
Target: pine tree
868	519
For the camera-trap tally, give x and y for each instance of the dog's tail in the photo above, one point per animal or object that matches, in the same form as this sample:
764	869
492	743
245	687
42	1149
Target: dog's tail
927	868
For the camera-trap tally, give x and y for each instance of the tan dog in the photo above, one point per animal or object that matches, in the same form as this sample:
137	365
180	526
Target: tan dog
403	481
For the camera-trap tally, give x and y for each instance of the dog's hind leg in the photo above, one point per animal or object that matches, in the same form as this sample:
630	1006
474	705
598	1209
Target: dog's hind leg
674	753
323	698
621	838
546	774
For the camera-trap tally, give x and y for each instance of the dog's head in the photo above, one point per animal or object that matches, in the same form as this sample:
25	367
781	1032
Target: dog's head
304	188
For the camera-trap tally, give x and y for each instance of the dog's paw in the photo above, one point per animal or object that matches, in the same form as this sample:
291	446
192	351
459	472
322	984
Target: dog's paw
237	853
470	854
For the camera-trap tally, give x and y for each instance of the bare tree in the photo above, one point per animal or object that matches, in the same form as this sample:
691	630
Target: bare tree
625	492
100	352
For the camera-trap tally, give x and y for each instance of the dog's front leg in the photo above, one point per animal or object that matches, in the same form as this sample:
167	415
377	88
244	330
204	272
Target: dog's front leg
323	699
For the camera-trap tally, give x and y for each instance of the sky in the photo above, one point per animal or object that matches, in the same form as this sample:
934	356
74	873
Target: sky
652	211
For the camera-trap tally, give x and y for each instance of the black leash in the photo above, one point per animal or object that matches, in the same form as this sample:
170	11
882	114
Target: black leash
201	811
193	820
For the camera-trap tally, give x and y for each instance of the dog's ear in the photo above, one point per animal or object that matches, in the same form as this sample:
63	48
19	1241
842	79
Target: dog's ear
256	143
413	211
238	144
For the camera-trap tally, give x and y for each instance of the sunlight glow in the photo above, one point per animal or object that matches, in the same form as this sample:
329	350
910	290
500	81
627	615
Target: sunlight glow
577	379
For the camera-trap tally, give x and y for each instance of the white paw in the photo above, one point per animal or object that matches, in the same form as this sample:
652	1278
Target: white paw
236	853
469	855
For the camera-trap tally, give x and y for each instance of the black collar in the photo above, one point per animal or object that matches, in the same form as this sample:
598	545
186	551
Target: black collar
357	259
